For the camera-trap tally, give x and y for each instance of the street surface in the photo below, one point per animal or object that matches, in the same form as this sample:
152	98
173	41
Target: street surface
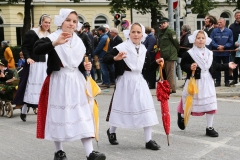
18	142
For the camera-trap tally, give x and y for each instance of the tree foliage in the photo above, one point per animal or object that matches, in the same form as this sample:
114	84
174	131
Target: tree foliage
142	7
203	6
237	2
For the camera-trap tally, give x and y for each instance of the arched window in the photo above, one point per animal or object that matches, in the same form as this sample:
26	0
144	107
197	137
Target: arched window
225	15
80	19
99	21
200	21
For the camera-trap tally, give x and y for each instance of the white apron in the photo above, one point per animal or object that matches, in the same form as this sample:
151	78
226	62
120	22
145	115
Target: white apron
68	115
132	105
37	75
205	100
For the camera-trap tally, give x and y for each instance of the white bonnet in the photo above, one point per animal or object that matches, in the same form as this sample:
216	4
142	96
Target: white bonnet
192	38
127	32
63	14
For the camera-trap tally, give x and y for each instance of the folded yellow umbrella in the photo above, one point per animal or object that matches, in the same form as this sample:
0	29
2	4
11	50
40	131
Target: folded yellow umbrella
92	90
192	89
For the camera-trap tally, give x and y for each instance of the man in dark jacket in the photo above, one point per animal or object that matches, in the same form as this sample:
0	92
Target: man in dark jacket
149	43
222	39
235	27
102	48
169	46
86	41
116	39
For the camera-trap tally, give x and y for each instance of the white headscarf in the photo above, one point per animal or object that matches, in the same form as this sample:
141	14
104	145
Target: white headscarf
134	60
63	14
202	56
72	52
193	37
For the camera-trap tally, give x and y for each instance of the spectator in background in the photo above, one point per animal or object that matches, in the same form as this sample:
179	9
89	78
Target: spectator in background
5	73
149	43
86	41
102	48
86	29
8	54
21	60
169	47
235	28
222	39
116	39
96	62
209	25
107	30
184	42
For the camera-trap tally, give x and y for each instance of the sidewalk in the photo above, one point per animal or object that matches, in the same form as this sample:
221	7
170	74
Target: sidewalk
222	91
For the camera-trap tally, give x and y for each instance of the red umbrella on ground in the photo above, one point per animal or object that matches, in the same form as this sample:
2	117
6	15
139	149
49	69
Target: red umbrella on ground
163	92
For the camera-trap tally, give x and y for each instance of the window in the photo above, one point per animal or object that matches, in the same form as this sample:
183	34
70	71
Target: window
180	20
99	21
225	15
1	30
19	35
200	21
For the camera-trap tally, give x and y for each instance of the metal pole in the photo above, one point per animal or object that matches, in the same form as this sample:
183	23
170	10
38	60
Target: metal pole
170	13
179	71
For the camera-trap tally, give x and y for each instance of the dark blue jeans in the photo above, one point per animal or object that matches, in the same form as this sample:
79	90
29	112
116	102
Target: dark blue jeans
220	60
107	73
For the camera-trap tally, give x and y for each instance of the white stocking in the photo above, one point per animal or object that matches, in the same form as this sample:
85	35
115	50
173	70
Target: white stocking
112	129
148	133
209	120
87	143
24	109
58	146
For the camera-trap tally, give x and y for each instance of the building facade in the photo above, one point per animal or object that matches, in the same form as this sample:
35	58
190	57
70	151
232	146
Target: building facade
96	12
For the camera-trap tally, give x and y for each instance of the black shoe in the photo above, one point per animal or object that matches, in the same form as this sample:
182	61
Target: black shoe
104	85
99	81
211	132
217	84
152	145
233	83
227	85
60	155
96	156
180	122
112	138
23	117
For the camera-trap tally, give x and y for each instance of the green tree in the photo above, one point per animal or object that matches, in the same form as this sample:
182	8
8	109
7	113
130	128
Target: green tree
27	14
203	6
142	7
237	2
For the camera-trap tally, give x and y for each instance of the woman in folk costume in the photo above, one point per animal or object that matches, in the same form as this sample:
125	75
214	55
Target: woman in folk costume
34	71
64	113
200	59
132	104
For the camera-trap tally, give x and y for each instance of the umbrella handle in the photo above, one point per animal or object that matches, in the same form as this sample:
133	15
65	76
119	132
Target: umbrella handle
160	70
86	59
193	73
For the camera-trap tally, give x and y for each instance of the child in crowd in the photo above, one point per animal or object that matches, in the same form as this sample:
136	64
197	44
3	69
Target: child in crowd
200	59
21	60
